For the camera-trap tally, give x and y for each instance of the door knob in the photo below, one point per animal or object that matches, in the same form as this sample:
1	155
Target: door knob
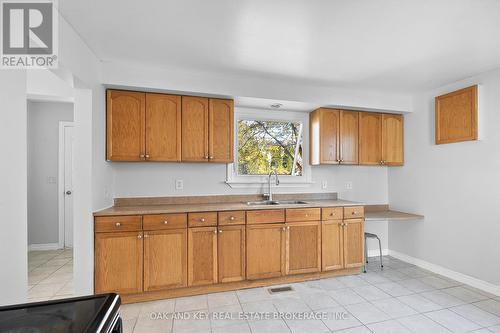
68	192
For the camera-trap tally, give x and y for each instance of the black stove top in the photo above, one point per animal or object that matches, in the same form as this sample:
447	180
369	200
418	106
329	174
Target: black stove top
72	315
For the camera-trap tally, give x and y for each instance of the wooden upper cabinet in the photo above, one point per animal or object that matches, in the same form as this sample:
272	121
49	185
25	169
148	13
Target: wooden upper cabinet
332	245
324	136
118	262
165	259
163	127
349	122
265	251
202	256
195	129
456	116
392	139
354	243
370	138
303	247
125	125
220	141
231	253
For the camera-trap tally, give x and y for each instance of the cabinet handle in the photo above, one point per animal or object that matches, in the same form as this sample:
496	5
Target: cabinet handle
283	229
147	156
205	157
220	231
231	218
118	224
353	213
146	235
202	219
141	156
287	228
331	214
211	157
139	236
215	231
165	222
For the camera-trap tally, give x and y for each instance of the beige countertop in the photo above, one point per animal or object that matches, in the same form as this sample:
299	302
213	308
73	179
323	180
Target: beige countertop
391	215
210	207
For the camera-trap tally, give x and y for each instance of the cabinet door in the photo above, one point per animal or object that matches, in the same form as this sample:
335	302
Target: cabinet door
125	125
231	253
370	138
221	127
303	247
163	127
265	251
202	256
325	133
118	262
392	139
354	244
194	129
349	122
332	245
165	259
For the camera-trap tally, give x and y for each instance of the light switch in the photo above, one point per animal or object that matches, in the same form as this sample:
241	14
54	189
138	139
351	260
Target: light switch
324	184
179	184
348	185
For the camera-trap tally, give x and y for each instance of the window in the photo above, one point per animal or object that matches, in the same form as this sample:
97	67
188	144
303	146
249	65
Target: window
265	145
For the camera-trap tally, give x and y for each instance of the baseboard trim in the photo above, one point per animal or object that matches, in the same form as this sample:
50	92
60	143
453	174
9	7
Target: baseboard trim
376	253
467	279
43	247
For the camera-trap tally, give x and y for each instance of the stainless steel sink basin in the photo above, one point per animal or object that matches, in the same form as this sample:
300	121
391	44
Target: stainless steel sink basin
273	202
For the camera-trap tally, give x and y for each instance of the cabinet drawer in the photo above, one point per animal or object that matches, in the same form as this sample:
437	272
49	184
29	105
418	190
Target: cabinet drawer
165	221
303	214
118	223
205	219
354	212
332	213
232	218
266	216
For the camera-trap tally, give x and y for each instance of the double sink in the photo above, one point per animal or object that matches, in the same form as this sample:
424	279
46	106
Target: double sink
275	203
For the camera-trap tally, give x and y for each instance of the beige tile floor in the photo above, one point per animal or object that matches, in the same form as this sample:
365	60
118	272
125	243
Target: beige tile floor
401	298
50	274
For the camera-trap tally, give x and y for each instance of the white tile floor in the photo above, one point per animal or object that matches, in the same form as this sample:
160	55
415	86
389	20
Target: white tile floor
50	275
402	298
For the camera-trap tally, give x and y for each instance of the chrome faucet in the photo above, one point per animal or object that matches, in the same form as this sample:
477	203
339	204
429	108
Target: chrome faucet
270	193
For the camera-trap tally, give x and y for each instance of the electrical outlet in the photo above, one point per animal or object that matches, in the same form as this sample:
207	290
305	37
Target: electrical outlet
324	184
179	184
51	180
348	185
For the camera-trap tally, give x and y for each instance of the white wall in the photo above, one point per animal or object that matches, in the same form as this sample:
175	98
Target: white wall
13	184
43	158
456	186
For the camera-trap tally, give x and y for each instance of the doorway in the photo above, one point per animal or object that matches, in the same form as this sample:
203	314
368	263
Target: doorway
50	199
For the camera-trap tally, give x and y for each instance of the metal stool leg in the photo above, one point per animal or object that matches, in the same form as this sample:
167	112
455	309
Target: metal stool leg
380	250
366	258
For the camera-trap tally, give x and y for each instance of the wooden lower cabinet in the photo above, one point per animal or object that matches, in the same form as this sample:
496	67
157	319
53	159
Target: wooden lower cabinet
165	259
202	256
231	253
354	244
332	245
303	247
265	255
118	262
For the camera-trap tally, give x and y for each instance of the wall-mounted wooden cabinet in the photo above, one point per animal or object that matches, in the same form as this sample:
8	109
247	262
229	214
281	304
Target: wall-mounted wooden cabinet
207	130
456	116
168	128
351	137
380	139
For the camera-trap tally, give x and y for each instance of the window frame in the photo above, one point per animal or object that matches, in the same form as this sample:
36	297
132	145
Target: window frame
256	181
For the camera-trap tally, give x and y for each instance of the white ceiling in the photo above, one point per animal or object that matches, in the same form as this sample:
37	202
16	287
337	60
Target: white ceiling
398	45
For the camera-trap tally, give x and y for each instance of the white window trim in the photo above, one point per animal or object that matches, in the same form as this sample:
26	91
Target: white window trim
253	181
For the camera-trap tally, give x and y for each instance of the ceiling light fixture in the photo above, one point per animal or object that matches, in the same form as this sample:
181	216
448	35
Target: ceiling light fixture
276	105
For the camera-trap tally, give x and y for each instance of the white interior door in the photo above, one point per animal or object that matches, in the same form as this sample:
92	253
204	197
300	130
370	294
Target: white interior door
68	186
